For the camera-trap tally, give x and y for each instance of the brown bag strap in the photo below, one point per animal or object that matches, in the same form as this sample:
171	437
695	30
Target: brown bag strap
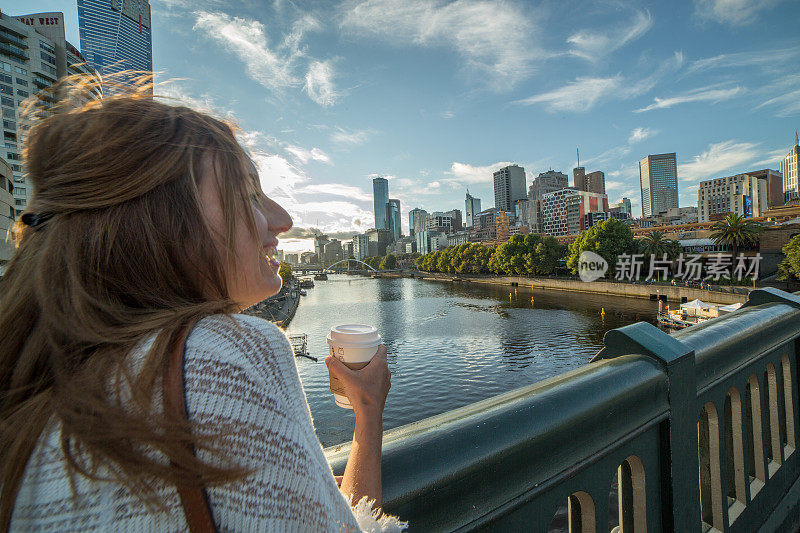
193	499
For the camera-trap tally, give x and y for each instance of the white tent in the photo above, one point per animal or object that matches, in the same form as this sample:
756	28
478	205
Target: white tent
699	308
697	304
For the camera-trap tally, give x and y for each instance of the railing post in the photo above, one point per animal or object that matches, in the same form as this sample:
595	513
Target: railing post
681	505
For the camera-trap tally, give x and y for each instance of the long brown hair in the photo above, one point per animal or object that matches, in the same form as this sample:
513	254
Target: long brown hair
126	253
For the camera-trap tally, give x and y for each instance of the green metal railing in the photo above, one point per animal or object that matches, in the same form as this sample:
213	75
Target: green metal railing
695	431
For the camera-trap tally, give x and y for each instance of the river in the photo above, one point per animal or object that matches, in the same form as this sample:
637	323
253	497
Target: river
451	344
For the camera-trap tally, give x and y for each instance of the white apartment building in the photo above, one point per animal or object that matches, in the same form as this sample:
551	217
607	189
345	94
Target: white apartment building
742	194
563	211
34	54
790	170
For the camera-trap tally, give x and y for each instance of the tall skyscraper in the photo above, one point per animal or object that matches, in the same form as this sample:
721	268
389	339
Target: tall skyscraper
625	206
596	182
658	176
393	212
116	35
579	174
509	186
789	169
380	199
579	178
417	220
34	55
471	208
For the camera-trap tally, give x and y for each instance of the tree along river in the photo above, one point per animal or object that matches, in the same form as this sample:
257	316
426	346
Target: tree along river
449	344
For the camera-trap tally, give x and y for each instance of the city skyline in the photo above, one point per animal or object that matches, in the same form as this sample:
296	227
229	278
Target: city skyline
331	95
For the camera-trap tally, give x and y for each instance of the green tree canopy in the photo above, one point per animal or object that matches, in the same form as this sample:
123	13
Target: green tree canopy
736	231
656	243
527	255
789	269
608	239
389	262
285	272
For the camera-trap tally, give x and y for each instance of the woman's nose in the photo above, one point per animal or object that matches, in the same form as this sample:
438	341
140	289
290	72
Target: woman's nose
278	219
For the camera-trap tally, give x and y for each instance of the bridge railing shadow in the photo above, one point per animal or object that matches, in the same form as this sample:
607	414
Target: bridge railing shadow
695	431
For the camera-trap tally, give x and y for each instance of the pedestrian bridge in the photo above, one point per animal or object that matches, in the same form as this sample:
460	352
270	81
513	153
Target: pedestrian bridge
695	431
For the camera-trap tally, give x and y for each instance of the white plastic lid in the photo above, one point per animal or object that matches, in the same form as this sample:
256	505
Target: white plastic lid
355	334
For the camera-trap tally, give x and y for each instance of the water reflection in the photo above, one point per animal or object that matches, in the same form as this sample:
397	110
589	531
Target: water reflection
453	344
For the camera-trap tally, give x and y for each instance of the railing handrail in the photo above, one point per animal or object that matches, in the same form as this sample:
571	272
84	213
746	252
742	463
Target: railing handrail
516	454
523	422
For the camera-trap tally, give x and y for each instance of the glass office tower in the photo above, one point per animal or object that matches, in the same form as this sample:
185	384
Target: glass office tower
116	35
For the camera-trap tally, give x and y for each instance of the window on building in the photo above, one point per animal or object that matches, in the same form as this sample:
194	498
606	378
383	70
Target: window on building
20	70
20	191
7	101
12	156
19	203
16	168
5	78
22	93
11	212
22	82
48	58
6	89
6	66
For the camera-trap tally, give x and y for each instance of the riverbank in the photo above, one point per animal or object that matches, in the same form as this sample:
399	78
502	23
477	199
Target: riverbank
669	293
279	309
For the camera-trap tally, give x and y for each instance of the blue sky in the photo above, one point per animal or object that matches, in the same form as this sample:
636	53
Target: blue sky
435	95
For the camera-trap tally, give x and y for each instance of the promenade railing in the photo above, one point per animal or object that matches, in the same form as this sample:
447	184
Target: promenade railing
695	431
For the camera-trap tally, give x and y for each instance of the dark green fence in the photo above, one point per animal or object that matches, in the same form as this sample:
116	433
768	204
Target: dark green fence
695	431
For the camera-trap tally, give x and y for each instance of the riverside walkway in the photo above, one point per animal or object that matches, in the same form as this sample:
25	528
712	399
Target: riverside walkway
695	431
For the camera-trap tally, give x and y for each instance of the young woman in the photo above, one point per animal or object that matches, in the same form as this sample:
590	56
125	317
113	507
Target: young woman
147	221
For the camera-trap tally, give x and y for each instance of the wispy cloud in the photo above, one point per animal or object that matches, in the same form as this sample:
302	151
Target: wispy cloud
732	12
579	95
640	134
787	102
585	93
717	158
319	83
757	58
304	155
701	94
350	137
494	39
468	174
771	158
335	189
593	45
273	66
247	39
175	91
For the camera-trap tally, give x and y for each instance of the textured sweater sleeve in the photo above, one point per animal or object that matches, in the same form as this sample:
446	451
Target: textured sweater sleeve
240	376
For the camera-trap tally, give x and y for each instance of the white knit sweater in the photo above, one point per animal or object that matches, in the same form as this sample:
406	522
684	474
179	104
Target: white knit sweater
243	377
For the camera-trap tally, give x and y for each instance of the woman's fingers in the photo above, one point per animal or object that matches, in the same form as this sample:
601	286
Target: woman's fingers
368	385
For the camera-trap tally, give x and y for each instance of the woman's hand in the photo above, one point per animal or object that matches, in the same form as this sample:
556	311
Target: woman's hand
365	388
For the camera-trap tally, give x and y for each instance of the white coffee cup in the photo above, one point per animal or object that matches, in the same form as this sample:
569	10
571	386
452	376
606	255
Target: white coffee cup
354	345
